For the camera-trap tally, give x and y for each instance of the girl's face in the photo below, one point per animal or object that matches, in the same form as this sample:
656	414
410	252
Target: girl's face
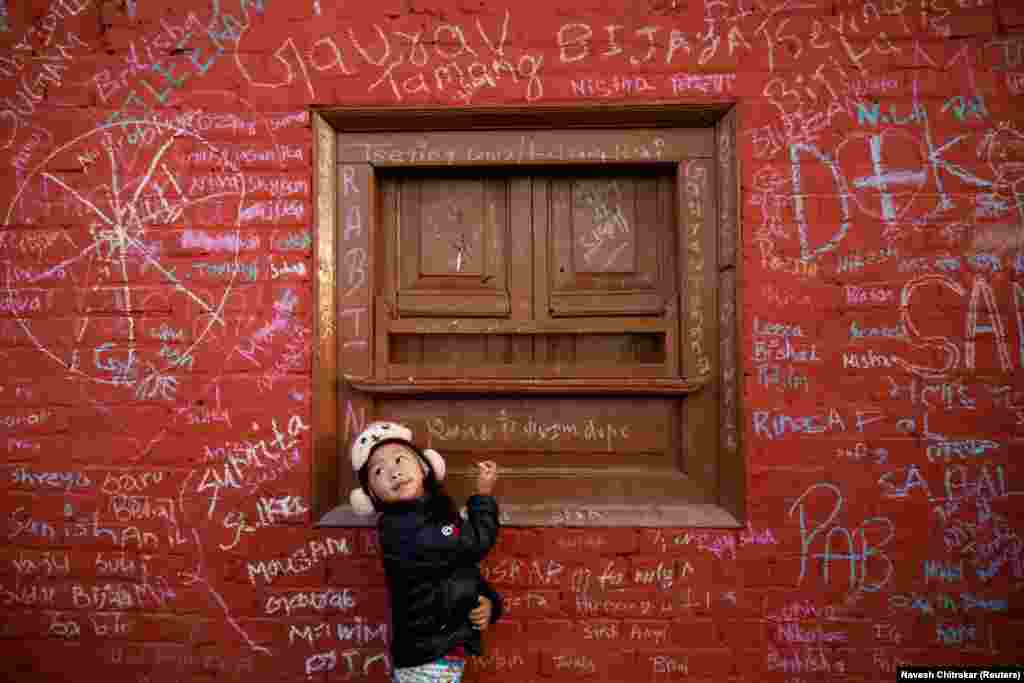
395	473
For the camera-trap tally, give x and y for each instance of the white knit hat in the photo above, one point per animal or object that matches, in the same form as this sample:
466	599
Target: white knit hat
374	433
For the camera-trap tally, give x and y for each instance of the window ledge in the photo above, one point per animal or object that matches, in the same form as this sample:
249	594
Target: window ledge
539	385
575	514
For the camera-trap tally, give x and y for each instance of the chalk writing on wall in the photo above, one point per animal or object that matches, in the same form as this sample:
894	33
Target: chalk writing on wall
116	253
155	253
453	61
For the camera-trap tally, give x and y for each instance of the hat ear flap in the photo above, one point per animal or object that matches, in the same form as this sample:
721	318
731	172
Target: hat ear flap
361	503
436	462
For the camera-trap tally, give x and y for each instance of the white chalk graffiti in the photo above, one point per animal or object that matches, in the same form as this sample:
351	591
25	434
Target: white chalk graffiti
111	268
445	60
610	234
124	184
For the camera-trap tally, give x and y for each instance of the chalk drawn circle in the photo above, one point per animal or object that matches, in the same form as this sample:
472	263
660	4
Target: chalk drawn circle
1002	149
116	184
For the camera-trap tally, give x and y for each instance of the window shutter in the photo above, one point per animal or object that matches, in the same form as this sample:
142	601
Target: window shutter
449	236
609	237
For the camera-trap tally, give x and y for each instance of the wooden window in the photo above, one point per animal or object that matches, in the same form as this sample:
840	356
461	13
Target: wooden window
552	289
498	274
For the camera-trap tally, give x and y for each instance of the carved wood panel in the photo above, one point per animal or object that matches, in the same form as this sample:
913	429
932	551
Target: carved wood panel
609	239
572	449
448	236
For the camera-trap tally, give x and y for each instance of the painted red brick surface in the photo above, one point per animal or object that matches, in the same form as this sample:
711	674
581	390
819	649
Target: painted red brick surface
156	321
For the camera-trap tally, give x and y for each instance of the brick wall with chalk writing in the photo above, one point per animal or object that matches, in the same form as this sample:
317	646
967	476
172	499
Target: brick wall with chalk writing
157	315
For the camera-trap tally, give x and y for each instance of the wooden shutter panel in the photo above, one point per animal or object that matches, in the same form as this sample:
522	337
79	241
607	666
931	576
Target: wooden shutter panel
609	238
449	236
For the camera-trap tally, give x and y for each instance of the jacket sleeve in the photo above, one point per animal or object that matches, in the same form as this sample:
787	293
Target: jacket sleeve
439	547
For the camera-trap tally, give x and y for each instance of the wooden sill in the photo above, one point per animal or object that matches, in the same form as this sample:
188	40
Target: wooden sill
575	513
539	385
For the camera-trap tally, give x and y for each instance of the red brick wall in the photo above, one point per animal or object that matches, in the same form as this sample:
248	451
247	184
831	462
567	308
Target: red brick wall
156	520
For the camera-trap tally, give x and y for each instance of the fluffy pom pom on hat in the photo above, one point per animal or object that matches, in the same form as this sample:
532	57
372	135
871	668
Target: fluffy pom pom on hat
375	433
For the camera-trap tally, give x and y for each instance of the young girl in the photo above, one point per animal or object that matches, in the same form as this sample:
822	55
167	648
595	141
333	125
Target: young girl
439	601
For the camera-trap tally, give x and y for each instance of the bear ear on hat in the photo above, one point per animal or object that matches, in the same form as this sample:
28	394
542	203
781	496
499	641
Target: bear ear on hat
361	503
436	462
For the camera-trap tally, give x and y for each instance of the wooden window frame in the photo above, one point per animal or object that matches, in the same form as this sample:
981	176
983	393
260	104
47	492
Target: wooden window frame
344	376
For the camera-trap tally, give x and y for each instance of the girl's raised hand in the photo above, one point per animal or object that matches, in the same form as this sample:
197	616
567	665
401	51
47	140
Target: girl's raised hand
486	477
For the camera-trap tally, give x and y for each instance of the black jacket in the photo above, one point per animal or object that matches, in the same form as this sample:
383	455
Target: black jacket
434	578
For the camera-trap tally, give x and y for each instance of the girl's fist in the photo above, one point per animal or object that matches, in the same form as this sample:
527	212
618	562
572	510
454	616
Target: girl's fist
486	477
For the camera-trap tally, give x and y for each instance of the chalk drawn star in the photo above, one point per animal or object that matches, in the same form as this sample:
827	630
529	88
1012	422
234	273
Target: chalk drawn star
123	188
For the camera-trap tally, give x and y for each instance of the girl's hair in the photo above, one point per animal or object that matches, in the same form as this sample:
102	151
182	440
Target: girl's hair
440	506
